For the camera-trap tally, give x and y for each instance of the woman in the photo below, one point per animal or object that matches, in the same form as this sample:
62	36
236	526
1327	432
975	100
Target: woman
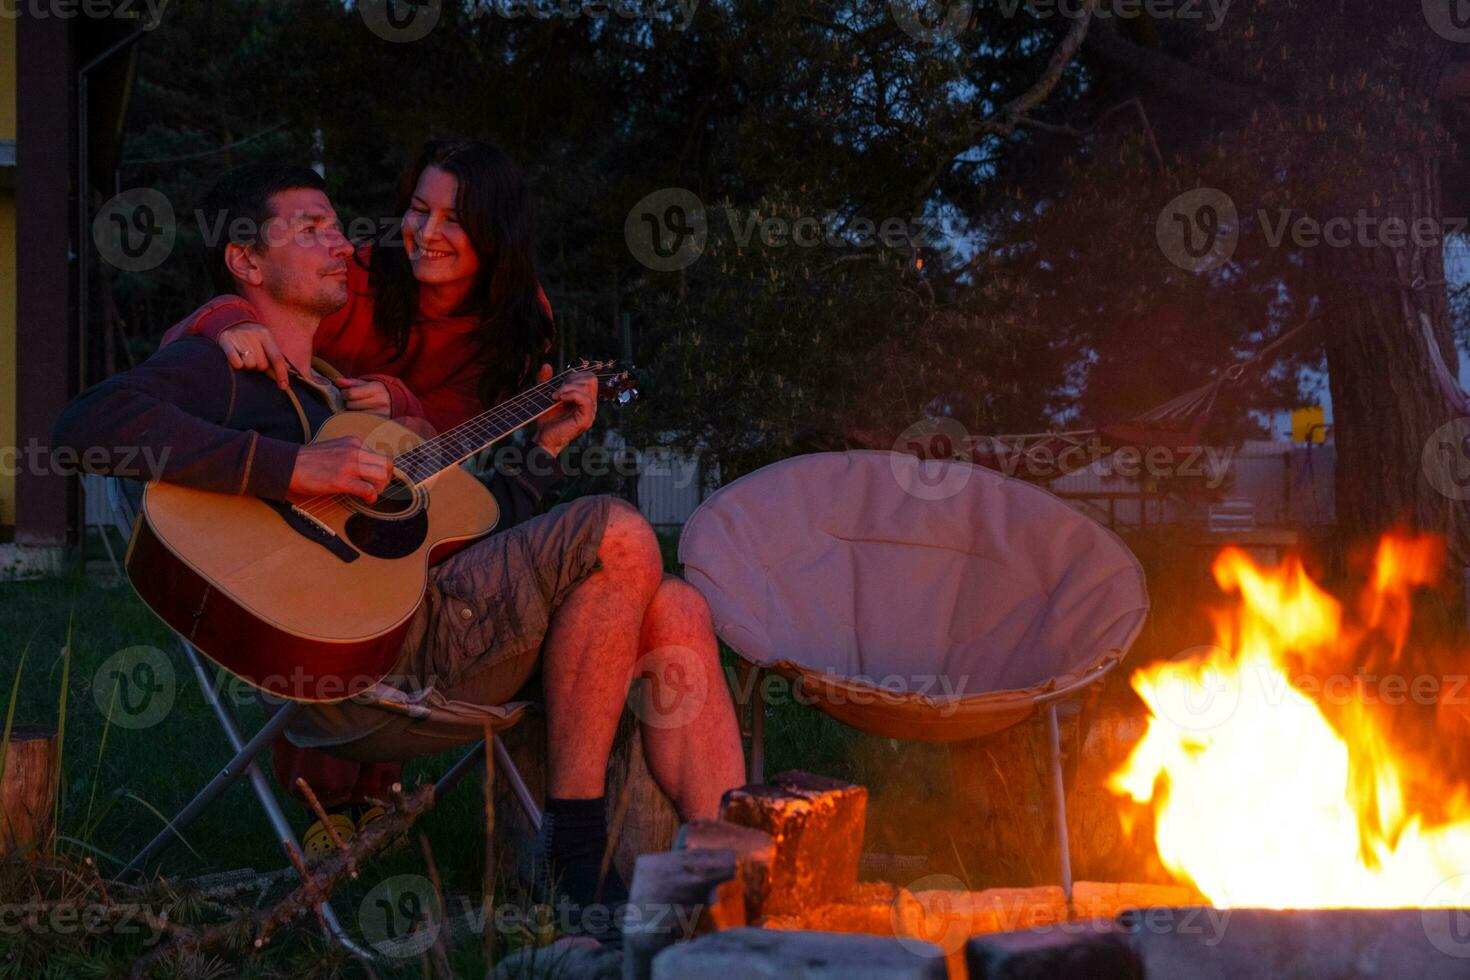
437	327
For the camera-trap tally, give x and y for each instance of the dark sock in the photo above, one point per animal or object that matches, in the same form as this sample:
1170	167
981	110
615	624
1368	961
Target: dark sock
574	833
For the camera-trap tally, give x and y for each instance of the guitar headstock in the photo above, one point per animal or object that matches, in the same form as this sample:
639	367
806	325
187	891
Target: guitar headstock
613	383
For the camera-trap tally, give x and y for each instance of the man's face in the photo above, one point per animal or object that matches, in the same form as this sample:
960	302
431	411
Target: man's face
304	263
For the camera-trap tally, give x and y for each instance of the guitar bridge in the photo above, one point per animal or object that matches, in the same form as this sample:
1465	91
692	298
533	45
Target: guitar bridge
314	529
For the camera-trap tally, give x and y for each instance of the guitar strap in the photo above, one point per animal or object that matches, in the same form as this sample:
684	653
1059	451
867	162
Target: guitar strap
328	372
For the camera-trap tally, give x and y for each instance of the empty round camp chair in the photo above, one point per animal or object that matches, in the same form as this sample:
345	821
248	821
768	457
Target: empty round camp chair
922	599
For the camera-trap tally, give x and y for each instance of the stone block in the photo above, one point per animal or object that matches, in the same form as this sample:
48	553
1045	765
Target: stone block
754	853
816	825
675	896
1091	950
768	954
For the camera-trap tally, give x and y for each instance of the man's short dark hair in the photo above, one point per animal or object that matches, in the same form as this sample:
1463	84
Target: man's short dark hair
245	193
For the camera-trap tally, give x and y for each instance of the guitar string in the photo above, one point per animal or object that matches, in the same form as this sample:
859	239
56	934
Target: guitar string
475	427
505	422
323	504
481	426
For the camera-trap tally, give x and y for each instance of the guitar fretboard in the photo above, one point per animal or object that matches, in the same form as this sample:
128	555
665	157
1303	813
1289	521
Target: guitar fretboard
464	440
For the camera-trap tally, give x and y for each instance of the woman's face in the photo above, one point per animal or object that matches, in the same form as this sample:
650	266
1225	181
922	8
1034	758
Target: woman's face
438	246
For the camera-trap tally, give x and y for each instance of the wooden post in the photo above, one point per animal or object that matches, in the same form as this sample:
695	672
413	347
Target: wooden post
649	821
28	791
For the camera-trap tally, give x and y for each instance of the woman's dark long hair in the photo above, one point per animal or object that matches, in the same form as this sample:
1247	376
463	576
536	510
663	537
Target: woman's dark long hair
496	213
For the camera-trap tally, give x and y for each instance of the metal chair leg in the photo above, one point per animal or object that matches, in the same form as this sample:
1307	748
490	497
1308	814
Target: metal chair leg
756	767
1064	845
456	772
507	768
227	776
332	927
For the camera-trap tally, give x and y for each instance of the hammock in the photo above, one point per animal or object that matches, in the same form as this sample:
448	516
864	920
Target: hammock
1176	425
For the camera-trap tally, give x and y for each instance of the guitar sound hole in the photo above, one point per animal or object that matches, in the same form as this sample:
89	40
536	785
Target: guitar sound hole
392	526
387	538
397	498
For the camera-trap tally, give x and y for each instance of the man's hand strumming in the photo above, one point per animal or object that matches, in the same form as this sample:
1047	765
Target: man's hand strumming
340	466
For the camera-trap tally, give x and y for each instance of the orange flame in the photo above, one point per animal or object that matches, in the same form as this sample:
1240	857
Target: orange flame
1258	798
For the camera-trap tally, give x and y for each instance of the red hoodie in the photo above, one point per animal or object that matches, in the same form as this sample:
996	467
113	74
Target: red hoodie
435	377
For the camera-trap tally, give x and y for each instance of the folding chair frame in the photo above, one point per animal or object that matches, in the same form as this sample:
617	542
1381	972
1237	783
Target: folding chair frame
247	752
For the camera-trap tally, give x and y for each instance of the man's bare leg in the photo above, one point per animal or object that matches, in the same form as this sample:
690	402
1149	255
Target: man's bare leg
589	652
690	736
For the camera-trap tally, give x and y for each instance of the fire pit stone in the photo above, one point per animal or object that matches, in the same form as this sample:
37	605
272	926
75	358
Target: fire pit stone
1092	950
754	853
675	896
816	825
767	953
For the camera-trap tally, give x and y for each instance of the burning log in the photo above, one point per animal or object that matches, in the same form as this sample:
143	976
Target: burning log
817	827
875	908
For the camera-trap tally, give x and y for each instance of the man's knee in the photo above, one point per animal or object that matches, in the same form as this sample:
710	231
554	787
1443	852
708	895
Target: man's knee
678	601
629	545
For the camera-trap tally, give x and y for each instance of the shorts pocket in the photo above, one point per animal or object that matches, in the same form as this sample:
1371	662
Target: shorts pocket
491	608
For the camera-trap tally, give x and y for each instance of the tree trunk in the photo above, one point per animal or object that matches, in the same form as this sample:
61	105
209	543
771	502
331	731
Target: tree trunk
648	821
644	821
1385	404
28	791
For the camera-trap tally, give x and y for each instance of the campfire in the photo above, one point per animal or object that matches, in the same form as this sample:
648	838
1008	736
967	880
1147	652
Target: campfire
1268	763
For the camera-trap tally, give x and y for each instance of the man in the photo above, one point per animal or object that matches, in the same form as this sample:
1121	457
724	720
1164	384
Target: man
580	589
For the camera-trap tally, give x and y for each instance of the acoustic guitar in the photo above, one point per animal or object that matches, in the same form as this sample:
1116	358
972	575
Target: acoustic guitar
310	601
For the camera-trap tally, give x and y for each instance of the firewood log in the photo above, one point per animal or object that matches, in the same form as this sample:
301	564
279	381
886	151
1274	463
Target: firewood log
28	791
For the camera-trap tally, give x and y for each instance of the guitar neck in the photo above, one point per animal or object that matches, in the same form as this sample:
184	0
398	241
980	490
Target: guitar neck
464	440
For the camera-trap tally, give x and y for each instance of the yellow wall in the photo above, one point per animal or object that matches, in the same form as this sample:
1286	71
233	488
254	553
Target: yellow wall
7	78
7	277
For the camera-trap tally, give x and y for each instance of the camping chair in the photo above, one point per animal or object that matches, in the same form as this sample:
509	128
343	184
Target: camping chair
848	572
123	497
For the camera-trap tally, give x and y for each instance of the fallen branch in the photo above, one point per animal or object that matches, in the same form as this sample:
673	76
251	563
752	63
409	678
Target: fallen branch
315	888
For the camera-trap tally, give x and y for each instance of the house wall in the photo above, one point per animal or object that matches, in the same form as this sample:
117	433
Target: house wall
7	283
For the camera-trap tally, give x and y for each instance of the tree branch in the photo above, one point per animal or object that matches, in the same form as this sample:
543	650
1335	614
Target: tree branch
1133	103
1012	114
1177	77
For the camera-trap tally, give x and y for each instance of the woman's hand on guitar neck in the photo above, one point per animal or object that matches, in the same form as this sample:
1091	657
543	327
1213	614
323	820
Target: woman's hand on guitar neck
575	413
339	466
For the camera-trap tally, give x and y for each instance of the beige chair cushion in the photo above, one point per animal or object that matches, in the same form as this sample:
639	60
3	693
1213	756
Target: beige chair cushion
941	580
